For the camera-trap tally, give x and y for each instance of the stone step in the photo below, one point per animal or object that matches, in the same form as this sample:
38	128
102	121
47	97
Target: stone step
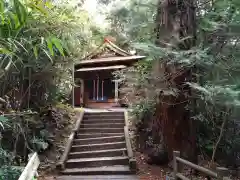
93	116
99	121
104	113
104	170
95	135
95	147
98	153
98	140
99	177
96	162
102	125
101	130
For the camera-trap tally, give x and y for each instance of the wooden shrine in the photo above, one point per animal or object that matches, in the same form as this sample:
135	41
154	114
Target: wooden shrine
95	85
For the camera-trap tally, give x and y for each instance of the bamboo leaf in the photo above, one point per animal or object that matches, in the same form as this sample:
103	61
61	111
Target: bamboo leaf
2	19
21	45
1	6
20	11
50	47
1	73
3	121
48	55
14	20
2	11
38	7
8	65
35	51
42	40
49	5
5	51
58	45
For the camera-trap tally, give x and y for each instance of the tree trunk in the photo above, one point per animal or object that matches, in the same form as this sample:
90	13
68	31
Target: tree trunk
176	29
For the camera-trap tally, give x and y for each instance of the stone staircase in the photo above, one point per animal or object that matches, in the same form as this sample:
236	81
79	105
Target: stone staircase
98	146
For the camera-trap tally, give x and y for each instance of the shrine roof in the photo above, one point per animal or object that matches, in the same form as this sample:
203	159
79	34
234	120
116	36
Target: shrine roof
108	52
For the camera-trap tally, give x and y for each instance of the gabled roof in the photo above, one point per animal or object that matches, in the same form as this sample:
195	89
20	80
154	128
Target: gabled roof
107	49
108	54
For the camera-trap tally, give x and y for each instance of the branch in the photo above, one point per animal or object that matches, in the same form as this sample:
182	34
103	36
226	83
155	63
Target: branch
218	141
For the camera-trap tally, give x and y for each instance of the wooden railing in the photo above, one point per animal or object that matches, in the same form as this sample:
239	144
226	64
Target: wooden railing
221	172
132	160
30	171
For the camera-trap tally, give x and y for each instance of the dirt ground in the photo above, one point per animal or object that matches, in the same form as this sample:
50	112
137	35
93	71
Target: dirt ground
148	172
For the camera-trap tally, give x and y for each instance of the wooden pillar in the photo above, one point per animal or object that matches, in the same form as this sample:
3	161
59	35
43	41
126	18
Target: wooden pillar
102	89
73	86
82	92
97	87
94	90
116	91
175	164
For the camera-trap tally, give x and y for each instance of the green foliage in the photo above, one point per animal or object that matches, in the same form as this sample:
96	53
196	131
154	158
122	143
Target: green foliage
39	42
6	170
214	61
18	31
9	173
142	108
5	157
39	144
132	20
24	130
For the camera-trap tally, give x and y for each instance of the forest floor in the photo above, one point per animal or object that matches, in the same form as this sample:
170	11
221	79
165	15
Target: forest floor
149	172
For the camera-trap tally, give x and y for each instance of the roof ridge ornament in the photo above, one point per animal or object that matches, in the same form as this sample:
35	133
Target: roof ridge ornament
109	39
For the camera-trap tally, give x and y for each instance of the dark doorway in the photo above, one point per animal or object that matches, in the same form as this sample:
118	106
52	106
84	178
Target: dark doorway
100	90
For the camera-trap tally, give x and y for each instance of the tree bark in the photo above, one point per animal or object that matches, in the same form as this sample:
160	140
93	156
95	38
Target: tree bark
176	29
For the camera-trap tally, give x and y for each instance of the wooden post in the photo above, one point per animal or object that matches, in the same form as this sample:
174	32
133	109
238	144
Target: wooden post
238	171
102	88
97	87
73	86
222	173
116	91
82	92
126	118
94	90
175	164
132	160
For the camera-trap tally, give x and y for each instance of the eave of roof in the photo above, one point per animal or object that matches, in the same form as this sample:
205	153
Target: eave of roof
101	68
110	59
